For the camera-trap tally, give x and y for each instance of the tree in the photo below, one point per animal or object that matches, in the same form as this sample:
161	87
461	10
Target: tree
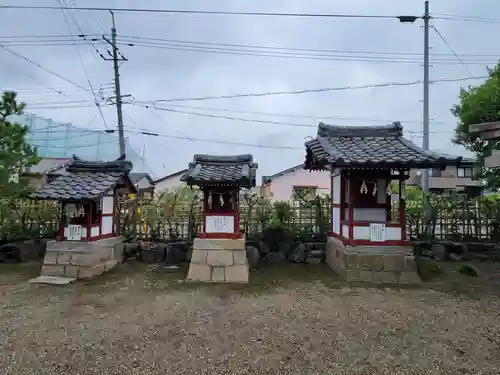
477	105
16	154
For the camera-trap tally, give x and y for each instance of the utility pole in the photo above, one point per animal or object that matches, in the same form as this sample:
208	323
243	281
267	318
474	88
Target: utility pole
116	59
425	141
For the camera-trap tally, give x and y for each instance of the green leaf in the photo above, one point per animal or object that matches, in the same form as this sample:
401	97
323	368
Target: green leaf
478	105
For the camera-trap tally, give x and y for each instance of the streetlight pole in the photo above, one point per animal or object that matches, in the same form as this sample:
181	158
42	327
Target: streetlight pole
425	129
425	141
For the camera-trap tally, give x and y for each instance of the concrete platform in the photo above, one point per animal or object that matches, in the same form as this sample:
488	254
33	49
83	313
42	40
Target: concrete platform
81	260
54	280
219	260
377	264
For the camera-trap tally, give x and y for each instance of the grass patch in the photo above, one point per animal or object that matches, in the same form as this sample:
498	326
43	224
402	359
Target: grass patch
266	279
428	269
468	270
14	273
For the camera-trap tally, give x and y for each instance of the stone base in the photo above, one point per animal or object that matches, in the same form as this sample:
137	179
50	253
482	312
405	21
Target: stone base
53	280
379	264
218	260
81	260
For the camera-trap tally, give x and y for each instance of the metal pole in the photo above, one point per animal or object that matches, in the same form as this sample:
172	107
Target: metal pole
425	141
121	136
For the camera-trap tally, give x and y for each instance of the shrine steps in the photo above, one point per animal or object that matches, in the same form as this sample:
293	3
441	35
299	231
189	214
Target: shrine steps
81	260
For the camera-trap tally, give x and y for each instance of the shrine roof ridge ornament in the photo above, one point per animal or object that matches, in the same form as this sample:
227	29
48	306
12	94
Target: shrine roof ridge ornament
369	146
221	169
392	130
119	165
85	180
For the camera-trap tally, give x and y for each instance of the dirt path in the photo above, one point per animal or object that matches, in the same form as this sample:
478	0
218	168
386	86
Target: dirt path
140	321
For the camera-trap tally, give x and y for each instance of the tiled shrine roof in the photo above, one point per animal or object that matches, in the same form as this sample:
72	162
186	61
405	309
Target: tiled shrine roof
237	170
369	146
85	180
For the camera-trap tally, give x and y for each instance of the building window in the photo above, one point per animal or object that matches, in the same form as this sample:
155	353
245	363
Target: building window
304	193
465	172
435	172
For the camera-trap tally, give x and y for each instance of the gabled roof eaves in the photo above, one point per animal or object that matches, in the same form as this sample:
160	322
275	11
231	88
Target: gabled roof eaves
182	171
370	146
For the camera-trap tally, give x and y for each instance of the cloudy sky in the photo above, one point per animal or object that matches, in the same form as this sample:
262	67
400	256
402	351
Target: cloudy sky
174	63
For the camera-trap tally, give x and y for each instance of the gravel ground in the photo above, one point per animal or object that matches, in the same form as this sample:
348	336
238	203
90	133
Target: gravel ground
139	321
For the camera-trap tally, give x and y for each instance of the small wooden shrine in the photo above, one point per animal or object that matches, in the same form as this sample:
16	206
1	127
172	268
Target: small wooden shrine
90	218
88	192
219	250
220	179
368	167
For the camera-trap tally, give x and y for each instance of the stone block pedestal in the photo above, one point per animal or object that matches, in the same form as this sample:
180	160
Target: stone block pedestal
219	260
81	260
379	264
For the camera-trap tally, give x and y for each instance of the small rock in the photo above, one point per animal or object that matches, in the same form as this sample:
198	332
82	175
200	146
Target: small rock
318	253
149	255
174	255
275	257
160	253
11	253
313	260
298	255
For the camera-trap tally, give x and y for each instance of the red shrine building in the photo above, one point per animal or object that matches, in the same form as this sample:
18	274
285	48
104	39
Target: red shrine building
219	253
88	192
368	167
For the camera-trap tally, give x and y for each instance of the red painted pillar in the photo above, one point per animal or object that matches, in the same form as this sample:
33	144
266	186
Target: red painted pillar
402	209
205	209
331	203
351	209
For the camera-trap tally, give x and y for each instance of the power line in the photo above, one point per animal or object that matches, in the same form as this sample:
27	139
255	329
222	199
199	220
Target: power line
145	132
210	12
286	55
40	36
269	51
91	45
454	17
57	103
252	120
63	107
354	56
452	50
43	68
71	146
165	122
83	66
214	141
267	47
35	79
314	117
35	88
304	91
97	39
